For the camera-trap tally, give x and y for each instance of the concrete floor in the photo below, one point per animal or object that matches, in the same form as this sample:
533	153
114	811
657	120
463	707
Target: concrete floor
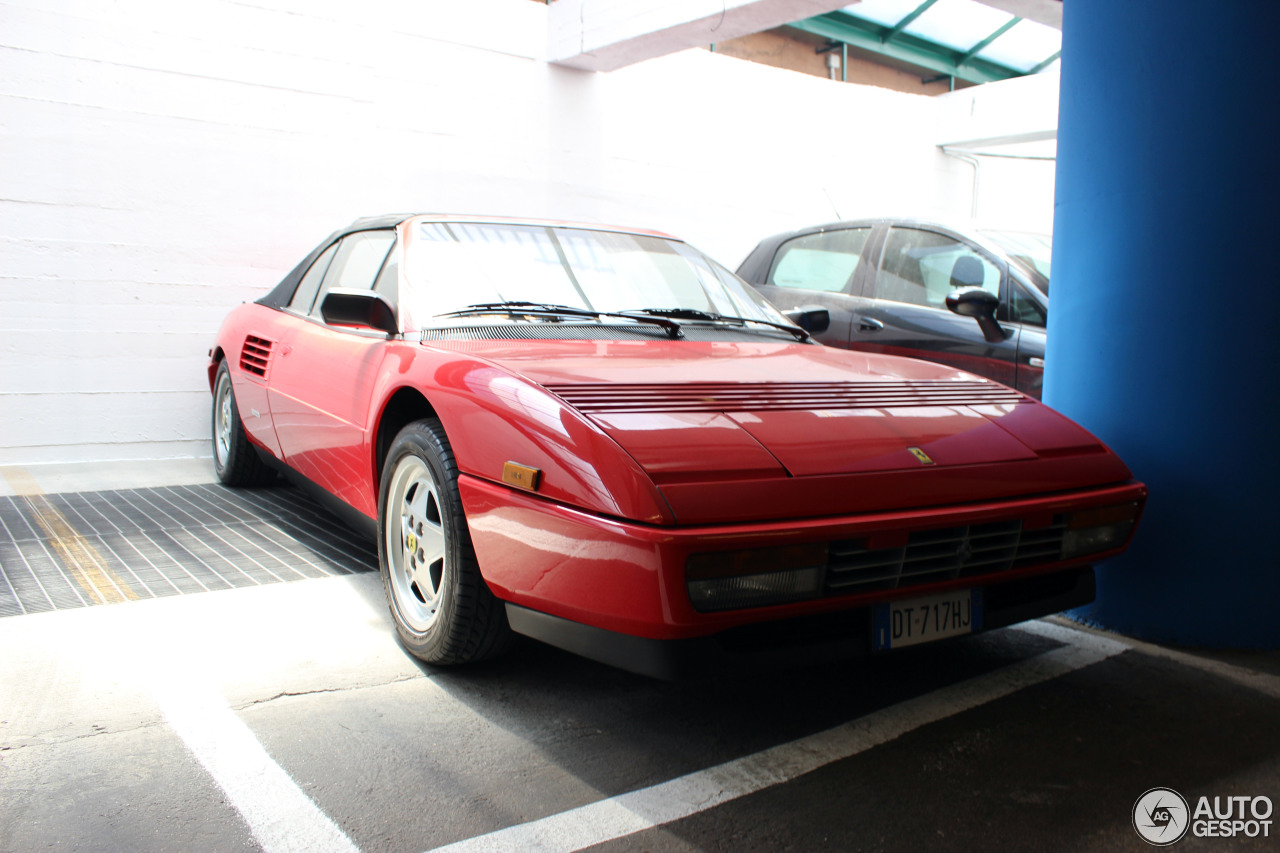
286	717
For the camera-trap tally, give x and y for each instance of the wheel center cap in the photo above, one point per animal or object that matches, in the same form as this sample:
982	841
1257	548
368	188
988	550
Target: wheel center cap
411	542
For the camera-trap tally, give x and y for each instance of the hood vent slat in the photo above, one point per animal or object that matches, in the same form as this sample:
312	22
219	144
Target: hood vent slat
731	397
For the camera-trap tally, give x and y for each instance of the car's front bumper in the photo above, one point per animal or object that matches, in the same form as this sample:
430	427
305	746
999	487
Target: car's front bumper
799	640
558	567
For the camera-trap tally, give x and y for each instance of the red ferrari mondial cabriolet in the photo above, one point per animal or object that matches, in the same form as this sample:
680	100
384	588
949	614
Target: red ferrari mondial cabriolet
604	440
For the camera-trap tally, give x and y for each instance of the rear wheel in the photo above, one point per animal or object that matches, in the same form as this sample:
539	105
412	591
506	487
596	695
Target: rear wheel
235	461
444	612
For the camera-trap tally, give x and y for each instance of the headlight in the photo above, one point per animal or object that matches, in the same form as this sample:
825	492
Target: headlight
1091	531
727	580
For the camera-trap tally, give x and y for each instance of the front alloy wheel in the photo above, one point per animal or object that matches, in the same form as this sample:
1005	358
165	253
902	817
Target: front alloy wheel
415	544
444	612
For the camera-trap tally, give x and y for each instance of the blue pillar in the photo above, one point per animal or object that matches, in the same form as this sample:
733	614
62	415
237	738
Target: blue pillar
1163	335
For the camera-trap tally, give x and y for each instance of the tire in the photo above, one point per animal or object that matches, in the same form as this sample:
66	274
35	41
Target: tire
444	612
235	460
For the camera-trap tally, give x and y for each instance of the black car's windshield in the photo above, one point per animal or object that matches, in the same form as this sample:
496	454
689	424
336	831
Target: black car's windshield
1033	251
454	270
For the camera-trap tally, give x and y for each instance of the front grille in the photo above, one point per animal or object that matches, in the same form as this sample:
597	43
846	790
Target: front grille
761	396
931	556
255	355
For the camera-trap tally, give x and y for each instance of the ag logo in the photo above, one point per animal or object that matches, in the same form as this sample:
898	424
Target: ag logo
1161	817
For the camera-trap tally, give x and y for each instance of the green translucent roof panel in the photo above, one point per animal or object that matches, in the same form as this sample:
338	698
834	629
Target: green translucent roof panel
956	30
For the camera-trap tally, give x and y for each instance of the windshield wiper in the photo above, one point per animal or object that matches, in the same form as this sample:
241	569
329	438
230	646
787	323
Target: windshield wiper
540	309
707	316
516	307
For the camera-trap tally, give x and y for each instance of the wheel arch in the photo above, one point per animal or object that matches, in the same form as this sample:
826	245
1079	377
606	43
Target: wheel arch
216	357
403	407
490	416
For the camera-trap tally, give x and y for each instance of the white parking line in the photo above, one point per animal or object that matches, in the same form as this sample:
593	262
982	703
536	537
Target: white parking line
281	817
688	795
1263	682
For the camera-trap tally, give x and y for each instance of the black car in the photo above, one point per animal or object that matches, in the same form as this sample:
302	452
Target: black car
973	299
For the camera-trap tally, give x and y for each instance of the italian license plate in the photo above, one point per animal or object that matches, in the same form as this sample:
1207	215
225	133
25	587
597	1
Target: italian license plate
922	620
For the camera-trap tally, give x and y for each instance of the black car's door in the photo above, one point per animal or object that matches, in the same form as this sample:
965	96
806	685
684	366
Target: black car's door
825	268
1028	306
906	311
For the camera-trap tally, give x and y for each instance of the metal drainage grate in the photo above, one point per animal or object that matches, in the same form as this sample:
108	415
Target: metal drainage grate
73	550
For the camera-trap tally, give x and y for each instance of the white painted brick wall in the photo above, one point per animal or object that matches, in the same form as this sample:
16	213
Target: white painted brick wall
161	161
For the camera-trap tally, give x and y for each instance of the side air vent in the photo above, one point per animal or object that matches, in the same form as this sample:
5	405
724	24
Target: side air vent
255	356
761	396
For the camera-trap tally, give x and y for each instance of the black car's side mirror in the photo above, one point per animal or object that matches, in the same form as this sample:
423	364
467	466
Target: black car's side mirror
811	318
346	307
981	305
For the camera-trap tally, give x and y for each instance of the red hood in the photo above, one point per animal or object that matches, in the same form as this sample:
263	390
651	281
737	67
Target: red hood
692	413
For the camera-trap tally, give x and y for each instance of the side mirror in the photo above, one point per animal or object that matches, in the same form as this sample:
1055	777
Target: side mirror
981	305
811	318
345	307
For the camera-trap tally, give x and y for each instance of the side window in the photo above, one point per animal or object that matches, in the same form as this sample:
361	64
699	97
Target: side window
388	279
824	261
922	267
1024	309
356	264
305	295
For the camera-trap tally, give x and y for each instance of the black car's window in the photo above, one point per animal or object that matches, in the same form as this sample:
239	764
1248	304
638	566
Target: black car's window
1024	309
922	267
310	283
1032	251
823	261
356	265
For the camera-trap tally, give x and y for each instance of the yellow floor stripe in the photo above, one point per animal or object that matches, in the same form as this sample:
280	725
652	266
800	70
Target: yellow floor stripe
81	559
19	480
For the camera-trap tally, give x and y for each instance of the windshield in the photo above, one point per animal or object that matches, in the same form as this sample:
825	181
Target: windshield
1032	251
450	267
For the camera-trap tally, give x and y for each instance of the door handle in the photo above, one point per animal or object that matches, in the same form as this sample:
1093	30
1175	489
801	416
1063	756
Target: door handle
868	324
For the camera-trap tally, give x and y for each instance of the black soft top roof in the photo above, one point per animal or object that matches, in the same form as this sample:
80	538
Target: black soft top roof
282	293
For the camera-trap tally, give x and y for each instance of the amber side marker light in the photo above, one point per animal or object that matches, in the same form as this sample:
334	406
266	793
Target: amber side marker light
1090	531
521	476
727	580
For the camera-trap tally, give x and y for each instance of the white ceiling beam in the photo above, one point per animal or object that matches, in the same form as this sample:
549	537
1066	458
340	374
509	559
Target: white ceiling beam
603	35
1007	139
1047	12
